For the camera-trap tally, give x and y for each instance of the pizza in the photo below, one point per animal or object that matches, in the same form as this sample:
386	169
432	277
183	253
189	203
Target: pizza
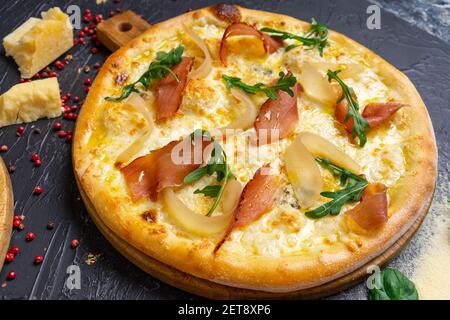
254	150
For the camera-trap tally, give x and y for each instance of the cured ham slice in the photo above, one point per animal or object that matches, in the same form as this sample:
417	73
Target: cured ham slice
371	212
375	113
378	113
148	175
257	198
242	29
277	118
169	91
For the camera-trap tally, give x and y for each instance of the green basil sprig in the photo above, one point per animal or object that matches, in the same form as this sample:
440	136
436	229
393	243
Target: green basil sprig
393	285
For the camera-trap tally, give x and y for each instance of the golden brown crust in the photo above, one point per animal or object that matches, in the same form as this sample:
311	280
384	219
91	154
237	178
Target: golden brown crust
281	274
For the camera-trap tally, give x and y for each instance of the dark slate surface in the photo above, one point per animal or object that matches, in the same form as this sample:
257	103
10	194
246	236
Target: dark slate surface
423	57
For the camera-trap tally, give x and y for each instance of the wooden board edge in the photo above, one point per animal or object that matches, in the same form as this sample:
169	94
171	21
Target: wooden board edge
212	290
6	211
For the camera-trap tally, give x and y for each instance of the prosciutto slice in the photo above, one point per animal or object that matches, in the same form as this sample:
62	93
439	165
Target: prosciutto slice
169	91
277	118
371	212
257	198
378	113
375	113
242	29
148	175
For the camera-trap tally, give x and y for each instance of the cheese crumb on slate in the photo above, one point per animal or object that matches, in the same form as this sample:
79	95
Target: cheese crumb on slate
431	275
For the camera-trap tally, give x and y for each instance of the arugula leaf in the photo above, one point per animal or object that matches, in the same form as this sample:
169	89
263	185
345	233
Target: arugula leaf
195	175
217	164
394	285
315	37
360	124
284	83
354	187
157	70
209	191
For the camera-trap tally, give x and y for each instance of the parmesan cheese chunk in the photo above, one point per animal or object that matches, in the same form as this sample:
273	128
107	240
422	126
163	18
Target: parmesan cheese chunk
38	42
30	101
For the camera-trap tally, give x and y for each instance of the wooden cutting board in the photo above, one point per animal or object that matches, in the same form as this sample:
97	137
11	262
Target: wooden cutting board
6	211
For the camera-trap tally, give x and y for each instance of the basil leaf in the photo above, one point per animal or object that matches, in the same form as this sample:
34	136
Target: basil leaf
394	286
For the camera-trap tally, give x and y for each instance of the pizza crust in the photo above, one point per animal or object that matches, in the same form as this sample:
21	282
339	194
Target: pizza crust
265	273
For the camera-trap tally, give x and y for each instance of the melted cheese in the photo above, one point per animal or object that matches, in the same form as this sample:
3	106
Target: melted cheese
209	105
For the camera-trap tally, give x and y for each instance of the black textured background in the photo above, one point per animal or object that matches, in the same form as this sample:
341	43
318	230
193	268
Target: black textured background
424	58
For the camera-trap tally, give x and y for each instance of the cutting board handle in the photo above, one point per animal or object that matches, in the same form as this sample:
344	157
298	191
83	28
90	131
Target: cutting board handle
117	31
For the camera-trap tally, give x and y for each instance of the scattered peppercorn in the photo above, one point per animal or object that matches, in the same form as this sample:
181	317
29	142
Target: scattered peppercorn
61	134
38	259
14	250
98	18
59	65
17	223
20	131
9	257
37	163
50	225
57	126
74	243
38	190
30	236
11	275
34	157
4	148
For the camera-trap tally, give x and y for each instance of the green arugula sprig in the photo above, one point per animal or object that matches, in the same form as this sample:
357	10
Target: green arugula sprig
284	83
360	124
157	70
391	284
217	164
315	37
354	187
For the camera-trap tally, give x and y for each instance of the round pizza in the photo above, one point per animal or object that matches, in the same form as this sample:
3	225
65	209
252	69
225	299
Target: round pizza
254	150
